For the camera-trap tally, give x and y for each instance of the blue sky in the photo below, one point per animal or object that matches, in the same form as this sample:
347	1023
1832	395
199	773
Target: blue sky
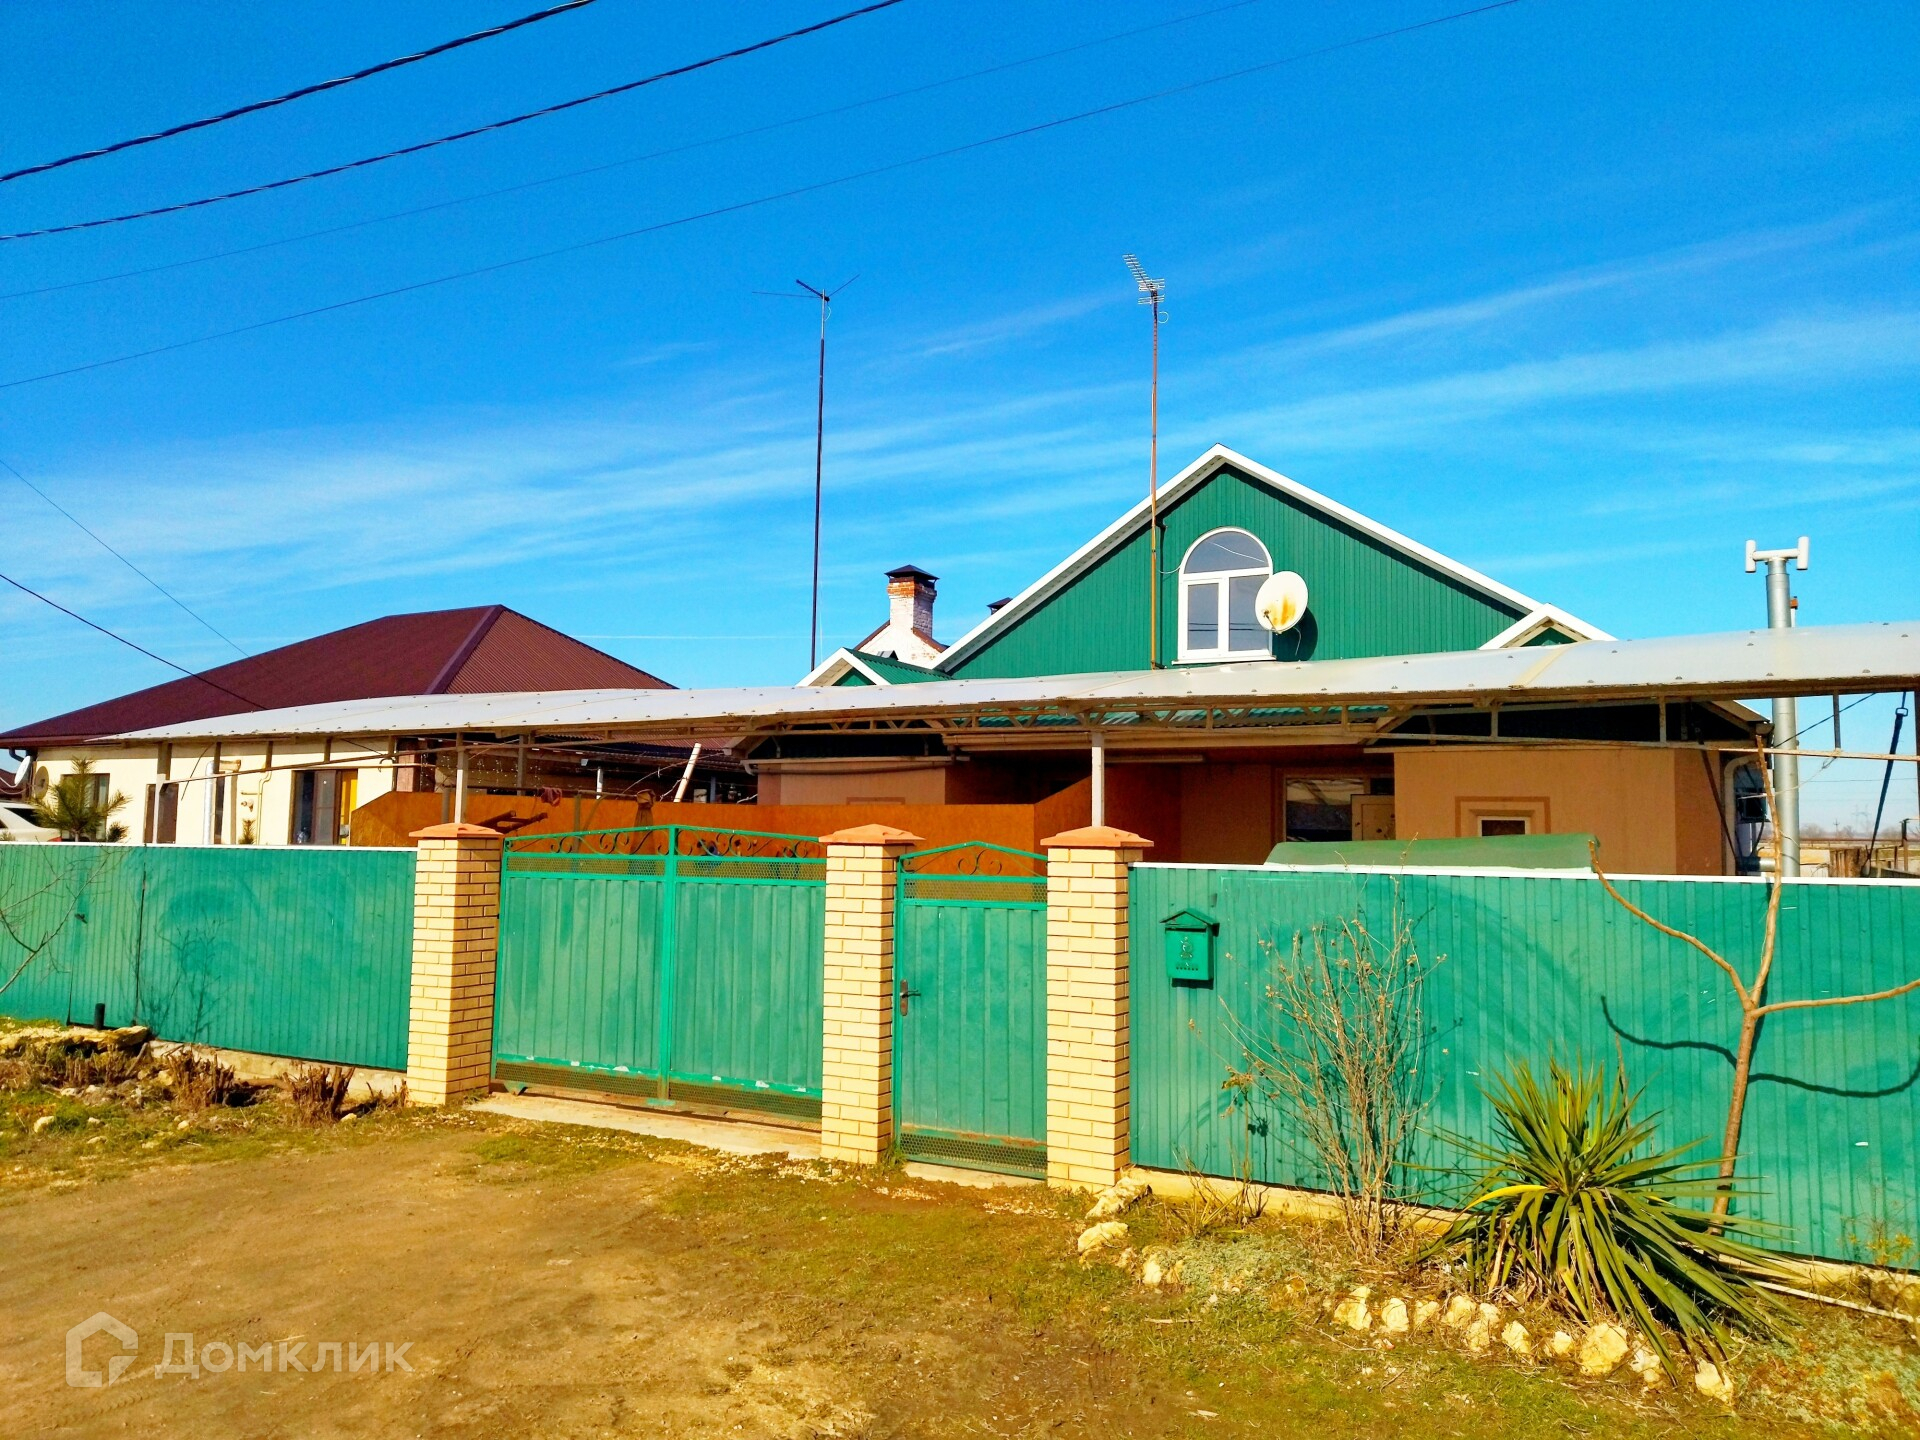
1583	294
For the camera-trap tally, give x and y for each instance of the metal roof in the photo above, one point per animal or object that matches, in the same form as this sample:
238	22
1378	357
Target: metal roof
435	652
1737	665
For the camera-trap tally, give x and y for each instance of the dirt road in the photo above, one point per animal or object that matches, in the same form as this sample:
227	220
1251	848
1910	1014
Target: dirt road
458	1275
536	1301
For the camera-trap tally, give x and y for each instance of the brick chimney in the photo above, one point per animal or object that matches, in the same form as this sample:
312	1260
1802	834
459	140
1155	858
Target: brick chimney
908	633
910	596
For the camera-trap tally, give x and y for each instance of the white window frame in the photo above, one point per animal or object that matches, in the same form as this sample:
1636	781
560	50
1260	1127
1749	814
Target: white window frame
1219	578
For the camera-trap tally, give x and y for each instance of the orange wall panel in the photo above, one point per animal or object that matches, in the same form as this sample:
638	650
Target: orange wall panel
392	818
1654	811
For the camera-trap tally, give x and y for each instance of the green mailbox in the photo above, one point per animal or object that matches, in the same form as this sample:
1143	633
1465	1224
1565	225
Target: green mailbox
1189	940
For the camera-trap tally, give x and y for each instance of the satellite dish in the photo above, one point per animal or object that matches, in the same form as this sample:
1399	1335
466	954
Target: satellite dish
1281	602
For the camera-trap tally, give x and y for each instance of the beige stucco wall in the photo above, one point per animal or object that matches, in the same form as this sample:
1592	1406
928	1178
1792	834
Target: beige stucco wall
265	795
1655	811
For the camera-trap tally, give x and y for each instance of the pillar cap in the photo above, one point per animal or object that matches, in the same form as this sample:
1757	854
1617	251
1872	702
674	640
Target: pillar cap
1096	837
459	830
871	835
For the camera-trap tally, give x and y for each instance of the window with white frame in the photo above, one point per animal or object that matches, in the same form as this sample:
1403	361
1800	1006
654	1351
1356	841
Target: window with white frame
1219	581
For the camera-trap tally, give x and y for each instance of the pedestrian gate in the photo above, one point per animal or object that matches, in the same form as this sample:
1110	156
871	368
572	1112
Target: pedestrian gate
970	1023
670	962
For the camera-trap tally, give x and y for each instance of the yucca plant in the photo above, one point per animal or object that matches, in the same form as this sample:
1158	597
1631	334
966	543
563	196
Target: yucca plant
1578	1207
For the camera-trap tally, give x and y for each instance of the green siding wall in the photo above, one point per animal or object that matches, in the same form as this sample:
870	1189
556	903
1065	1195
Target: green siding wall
303	952
1366	598
1536	966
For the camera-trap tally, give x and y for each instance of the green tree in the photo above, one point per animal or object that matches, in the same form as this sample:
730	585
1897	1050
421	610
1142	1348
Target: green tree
80	808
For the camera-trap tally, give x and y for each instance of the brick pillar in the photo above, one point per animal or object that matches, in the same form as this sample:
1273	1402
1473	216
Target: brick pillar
456	940
1088	1043
856	1071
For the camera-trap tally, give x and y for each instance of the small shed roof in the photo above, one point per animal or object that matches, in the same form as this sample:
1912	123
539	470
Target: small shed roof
1736	665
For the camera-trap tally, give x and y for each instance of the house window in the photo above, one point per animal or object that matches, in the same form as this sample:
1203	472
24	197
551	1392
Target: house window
323	802
97	789
1490	815
1219	581
1322	807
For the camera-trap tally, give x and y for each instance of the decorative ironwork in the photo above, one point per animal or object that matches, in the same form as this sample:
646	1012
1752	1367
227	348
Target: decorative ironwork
689	841
974	872
977	859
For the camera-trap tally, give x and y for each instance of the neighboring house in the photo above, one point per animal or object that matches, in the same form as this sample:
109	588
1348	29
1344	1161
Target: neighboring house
1226	524
257	790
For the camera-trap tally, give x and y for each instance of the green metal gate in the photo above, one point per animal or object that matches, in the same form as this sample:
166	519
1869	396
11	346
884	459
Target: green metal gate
970	1023
673	963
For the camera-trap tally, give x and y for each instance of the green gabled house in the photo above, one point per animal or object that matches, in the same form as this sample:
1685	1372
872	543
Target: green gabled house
1225	525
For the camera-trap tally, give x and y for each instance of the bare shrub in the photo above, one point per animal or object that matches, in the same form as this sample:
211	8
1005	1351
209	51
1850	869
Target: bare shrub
319	1092
1214	1204
1342	1055
79	1068
200	1081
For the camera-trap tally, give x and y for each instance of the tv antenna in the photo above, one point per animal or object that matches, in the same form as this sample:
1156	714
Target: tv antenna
826	299
1151	292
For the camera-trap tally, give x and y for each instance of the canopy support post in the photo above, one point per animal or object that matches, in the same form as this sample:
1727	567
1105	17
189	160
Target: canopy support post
1099	756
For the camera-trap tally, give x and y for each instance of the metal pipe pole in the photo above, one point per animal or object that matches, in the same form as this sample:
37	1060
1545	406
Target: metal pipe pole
1099	743
1786	720
693	758
1786	730
1153	499
460	780
819	452
1151	290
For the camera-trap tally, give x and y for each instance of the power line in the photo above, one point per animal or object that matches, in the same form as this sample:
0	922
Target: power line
468	134
131	645
743	205
115	553
291	95
635	159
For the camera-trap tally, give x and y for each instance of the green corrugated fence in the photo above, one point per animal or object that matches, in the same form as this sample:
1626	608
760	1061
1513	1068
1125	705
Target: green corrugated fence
297	952
1536	966
671	962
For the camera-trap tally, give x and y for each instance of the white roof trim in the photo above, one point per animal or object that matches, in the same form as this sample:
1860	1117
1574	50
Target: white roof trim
830	670
1218	457
1543	617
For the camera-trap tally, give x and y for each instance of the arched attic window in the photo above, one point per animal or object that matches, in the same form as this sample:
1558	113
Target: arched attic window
1219	579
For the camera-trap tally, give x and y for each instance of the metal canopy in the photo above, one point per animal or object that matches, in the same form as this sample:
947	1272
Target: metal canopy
1267	696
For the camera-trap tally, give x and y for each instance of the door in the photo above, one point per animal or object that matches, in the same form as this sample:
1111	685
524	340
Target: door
970	1009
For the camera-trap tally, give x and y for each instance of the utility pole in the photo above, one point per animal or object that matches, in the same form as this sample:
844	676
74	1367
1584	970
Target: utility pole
1151	292
1786	723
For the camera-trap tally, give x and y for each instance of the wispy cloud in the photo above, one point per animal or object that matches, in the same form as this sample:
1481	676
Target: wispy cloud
1810	350
991	483
1011	325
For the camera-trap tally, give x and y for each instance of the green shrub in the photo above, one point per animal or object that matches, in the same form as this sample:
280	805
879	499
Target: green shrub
1578	1208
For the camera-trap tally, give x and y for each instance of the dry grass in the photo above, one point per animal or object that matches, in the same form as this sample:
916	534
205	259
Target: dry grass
199	1082
318	1093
